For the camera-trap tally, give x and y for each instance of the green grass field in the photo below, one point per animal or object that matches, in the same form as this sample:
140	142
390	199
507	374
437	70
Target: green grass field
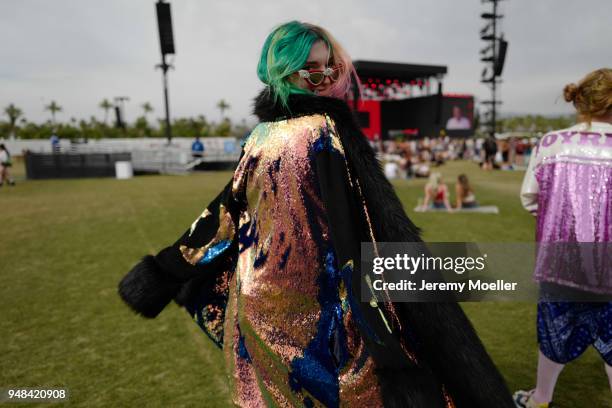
67	243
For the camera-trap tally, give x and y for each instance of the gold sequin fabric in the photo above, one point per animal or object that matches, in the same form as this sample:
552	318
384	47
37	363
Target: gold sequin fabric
290	337
284	320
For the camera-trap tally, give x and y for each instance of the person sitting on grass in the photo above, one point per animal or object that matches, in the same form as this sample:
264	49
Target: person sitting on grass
436	193
464	193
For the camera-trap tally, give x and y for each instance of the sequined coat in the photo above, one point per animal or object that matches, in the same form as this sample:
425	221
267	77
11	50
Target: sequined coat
270	271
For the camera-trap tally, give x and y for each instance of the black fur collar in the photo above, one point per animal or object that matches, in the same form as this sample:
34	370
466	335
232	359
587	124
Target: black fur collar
269	110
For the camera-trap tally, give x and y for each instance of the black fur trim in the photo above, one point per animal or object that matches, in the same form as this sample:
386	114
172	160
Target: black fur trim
454	352
147	289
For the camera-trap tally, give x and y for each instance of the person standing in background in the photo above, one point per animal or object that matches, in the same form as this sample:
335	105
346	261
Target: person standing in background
55	142
528	146
490	149
568	187
5	165
197	148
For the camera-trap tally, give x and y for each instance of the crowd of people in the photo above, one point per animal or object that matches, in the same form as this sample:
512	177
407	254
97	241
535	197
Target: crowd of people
415	158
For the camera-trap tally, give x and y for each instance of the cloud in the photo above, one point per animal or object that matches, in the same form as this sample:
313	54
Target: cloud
81	52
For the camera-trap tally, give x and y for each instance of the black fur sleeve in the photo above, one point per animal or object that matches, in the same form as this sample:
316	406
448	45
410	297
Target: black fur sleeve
174	272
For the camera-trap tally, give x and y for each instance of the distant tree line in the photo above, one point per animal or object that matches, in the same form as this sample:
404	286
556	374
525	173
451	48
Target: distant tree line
14	124
535	123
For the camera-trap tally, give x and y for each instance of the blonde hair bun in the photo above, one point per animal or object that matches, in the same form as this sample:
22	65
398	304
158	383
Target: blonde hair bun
569	92
592	96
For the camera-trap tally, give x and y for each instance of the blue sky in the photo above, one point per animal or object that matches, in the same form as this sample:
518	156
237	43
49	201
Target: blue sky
79	52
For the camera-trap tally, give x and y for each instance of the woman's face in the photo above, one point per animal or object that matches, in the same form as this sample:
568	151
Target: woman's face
318	59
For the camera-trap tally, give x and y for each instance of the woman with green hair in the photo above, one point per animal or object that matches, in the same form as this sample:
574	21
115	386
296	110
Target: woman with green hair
271	269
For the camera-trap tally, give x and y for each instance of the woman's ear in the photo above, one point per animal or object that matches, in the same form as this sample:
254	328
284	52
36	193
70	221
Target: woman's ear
294	78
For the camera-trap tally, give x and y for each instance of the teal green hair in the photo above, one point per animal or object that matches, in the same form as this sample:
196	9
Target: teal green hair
286	51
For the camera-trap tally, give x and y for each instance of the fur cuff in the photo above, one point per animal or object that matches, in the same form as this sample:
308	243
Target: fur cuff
147	289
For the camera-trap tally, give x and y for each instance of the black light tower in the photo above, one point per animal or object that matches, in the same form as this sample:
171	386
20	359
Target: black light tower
166	41
494	55
119	105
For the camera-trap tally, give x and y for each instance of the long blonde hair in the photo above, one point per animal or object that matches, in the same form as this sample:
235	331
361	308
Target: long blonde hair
435	179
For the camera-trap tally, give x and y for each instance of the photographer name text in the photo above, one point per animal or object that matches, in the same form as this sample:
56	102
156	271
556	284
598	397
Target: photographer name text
424	285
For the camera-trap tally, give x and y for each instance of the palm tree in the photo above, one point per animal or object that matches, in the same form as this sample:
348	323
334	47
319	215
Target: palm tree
13	113
146	108
107	106
53	107
223	106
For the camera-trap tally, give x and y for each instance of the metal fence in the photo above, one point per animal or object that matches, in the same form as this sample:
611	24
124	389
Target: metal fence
71	165
147	155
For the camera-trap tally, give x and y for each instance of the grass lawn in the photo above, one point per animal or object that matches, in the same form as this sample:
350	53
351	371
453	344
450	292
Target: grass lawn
66	244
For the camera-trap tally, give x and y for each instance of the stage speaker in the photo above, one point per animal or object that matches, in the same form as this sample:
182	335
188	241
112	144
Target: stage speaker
501	57
164	22
440	98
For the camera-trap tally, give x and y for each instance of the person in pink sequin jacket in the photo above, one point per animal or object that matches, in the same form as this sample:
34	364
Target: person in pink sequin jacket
568	187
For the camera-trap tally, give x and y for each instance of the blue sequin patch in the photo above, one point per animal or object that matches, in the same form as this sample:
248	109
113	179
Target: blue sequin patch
214	251
284	258
242	350
347	272
317	370
260	259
